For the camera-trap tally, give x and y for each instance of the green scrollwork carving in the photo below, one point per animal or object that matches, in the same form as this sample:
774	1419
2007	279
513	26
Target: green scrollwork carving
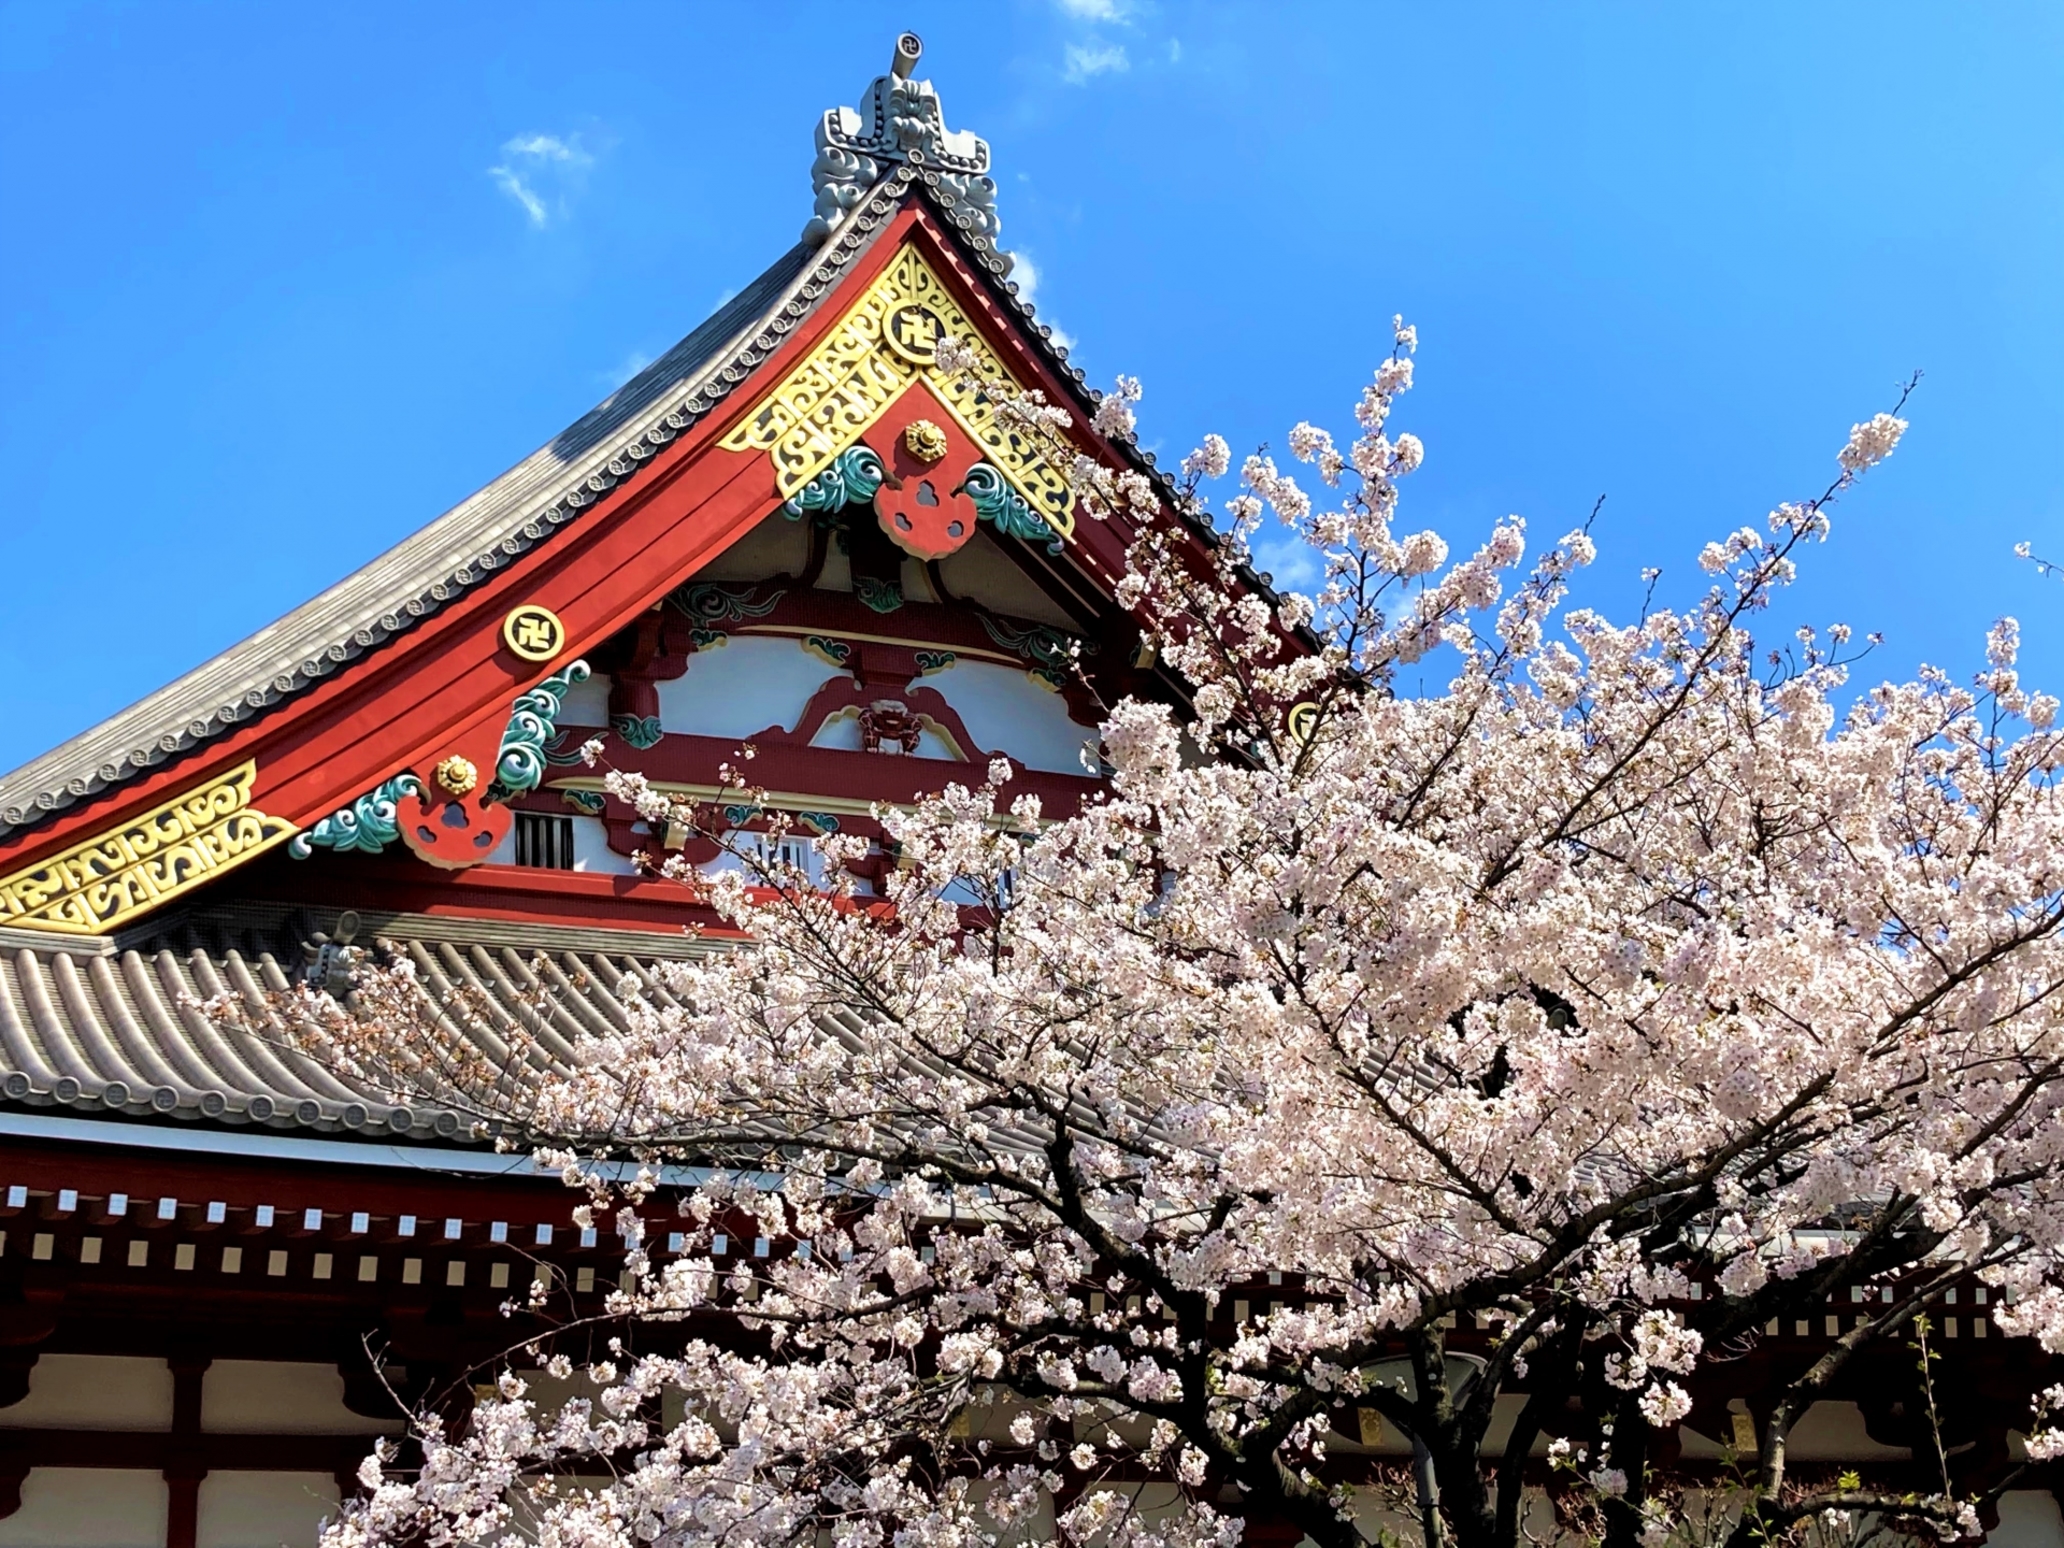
710	604
997	503
520	766
883	596
370	823
823	822
837	652
641	731
930	661
853	477
589	801
1049	654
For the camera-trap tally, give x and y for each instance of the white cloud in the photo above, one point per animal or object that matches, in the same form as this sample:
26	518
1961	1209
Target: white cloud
1085	62
534	167
626	368
1025	272
546	147
1175	50
1096	10
520	191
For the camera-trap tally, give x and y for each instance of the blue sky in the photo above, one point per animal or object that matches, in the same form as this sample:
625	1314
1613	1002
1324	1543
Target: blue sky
284	282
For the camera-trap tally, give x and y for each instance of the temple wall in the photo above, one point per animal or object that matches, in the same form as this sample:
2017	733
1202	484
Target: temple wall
586	703
753	682
1006	711
2029	1518
116	1405
94	1392
263	1510
982	573
278	1397
90	1507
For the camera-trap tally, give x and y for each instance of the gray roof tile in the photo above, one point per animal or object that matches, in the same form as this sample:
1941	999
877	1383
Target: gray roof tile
538	497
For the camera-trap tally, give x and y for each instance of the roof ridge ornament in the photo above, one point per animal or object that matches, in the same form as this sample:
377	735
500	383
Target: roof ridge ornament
903	123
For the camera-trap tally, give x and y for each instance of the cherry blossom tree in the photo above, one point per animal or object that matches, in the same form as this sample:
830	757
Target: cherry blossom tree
1481	1067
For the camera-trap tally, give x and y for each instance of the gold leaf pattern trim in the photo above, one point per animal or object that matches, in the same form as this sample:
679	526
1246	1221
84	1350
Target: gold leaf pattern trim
883	344
93	887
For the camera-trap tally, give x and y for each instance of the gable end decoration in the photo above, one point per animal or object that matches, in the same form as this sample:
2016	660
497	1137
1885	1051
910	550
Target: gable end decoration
93	887
885	343
370	823
903	123
533	722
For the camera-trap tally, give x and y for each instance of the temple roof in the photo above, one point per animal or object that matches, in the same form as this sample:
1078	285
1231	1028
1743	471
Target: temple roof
113	1029
542	496
109	1025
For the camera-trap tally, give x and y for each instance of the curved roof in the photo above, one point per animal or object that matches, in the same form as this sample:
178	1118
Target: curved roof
539	497
119	1032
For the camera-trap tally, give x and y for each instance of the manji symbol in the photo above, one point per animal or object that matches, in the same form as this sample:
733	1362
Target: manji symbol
533	632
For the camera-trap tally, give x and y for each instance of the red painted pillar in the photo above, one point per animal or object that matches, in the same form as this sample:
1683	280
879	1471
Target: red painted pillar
184	1468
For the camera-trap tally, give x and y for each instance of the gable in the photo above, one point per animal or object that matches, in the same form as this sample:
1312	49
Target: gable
419	668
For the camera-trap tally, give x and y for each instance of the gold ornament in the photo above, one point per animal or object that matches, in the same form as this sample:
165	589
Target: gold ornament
128	870
887	341
534	632
927	442
456	775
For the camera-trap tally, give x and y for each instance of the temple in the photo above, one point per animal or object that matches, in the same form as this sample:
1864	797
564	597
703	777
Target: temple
223	1266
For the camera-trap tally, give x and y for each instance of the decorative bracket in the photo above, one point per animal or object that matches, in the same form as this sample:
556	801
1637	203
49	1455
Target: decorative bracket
459	823
520	766
370	823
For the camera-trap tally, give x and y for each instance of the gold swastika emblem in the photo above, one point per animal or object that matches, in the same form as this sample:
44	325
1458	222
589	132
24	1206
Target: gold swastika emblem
889	339
533	632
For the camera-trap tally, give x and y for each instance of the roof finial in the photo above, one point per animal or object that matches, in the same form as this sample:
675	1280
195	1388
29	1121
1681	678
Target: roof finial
903	123
909	49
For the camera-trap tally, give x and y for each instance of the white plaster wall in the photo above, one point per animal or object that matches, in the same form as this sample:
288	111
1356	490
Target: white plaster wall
837	574
754	682
1829	1432
89	1507
94	1392
591	851
1005	711
586	704
1699	1446
279	1397
1834	1432
2029	1518
263	1510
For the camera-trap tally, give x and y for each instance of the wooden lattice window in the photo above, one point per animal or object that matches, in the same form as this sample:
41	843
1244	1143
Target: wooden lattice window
544	840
